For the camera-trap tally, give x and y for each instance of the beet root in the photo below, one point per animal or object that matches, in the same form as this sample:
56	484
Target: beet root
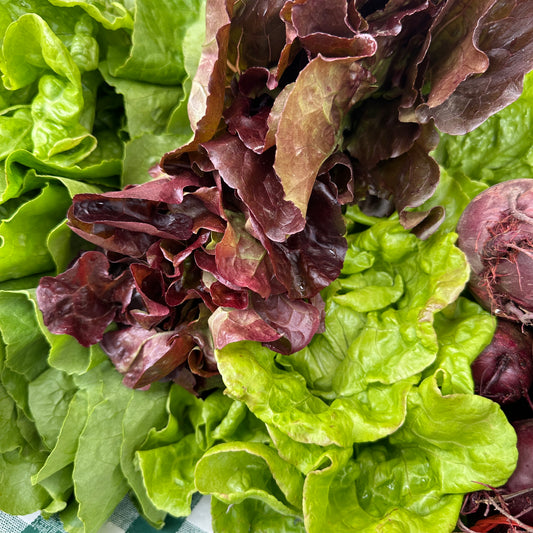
496	234
521	505
503	371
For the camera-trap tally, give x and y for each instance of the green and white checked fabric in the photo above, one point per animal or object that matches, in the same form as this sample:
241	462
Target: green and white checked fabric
125	519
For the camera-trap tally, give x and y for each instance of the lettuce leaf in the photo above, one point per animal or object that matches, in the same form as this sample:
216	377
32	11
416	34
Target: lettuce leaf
413	481
67	124
73	98
382	445
391	286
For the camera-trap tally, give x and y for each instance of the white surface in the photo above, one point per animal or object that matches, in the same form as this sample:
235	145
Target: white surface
29	518
201	514
110	528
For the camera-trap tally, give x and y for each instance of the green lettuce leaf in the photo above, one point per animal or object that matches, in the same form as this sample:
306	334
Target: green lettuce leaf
414	480
168	458
168	474
63	453
49	397
463	329
336	487
235	471
25	347
18	495
144	413
57	107
378	412
157	61
252	516
24	248
112	15
359	376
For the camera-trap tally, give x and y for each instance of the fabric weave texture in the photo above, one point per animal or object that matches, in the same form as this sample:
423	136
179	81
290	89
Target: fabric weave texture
125	519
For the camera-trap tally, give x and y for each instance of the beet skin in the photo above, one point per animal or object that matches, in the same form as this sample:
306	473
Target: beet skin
503	371
496	234
522	478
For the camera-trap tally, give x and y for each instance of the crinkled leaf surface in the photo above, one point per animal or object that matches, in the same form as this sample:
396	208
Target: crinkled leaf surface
504	35
394	283
309	126
414	483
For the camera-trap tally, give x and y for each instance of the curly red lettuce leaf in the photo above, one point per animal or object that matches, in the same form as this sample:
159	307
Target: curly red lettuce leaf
206	99
85	299
310	128
311	107
330	29
147	355
451	63
499	52
257	34
248	114
257	185
212	238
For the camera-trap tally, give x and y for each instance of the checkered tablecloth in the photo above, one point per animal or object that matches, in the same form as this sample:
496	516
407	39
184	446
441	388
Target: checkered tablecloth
125	519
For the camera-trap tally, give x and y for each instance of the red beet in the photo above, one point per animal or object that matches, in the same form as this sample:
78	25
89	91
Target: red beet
496	234
503	371
522	478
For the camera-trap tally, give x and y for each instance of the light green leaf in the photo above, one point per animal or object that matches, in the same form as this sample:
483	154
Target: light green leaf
463	329
23	249
49	396
252	516
158	61
145	411
336	494
32	53
11	437
111	14
99	483
168	473
458	432
64	452
144	152
236	471
18	496
15	131
26	348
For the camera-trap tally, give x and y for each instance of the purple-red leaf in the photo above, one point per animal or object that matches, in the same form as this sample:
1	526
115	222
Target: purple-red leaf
241	258
232	325
150	285
257	34
85	299
311	259
326	28
145	355
206	99
253	177
297	320
505	37
309	128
